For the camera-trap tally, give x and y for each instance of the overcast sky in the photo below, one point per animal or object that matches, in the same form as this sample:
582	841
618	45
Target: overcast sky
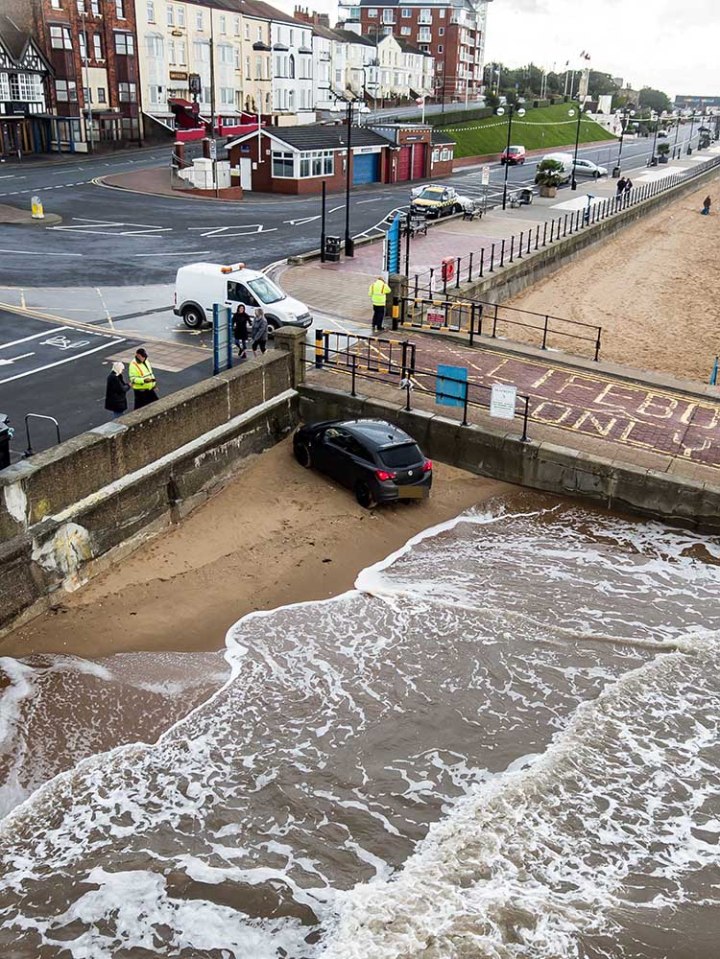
669	44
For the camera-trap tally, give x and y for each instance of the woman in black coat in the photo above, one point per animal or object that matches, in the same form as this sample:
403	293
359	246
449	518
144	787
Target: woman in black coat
116	391
241	329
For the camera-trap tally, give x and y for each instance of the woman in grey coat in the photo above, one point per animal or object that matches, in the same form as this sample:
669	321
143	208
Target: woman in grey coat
259	332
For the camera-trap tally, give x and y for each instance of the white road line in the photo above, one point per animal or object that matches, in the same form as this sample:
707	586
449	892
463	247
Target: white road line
35	336
36	253
336	208
183	253
14	359
378	199
69	359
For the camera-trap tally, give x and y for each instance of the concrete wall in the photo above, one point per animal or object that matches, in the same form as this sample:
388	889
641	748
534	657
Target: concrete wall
541	466
63	510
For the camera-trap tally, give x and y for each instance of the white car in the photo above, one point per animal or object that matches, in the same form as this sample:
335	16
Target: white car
199	286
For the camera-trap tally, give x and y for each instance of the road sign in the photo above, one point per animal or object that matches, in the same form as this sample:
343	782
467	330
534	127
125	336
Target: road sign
435	320
502	401
213	149
222	339
392	261
451	385
485	174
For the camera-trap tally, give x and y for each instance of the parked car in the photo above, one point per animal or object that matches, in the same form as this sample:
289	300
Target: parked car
435	201
582	168
198	286
513	155
375	459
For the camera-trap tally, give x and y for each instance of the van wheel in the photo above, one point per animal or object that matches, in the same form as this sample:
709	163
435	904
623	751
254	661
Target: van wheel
273	325
193	317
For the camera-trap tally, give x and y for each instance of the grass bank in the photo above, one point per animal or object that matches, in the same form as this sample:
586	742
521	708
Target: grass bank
540	129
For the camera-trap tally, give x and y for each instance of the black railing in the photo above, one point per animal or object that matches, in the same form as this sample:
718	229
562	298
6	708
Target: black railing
478	318
470	394
481	263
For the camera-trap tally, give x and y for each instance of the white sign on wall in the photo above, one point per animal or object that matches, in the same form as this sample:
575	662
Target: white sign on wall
502	401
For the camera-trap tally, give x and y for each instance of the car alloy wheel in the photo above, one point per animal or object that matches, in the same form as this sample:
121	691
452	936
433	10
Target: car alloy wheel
364	496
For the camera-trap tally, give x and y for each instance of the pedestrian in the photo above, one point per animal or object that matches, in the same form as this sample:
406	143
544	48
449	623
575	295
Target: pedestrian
142	379
240	330
706	206
378	294
628	189
116	390
620	189
259	332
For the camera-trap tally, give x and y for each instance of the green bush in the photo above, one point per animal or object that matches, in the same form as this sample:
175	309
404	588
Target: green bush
549	173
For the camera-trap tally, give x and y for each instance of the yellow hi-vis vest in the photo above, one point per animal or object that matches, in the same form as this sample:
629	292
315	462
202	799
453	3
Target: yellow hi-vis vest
378	291
137	373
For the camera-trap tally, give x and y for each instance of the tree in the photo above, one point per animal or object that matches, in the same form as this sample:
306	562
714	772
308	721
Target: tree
654	100
601	84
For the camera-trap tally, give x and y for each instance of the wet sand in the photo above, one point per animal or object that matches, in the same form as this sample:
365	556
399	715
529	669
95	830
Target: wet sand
275	534
653	288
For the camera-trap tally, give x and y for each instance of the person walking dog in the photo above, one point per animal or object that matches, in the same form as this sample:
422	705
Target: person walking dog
378	293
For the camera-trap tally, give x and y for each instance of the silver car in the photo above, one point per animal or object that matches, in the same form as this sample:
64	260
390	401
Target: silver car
588	168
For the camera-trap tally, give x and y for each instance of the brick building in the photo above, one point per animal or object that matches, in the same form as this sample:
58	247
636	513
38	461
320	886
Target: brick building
451	31
94	92
24	73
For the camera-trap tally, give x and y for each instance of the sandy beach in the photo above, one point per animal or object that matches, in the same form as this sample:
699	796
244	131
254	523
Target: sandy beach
653	288
275	534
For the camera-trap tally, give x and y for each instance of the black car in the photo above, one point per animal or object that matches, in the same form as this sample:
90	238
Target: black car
375	459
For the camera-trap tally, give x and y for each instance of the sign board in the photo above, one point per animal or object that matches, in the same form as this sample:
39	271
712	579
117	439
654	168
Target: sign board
485	174
392	256
195	84
213	150
178	75
435	320
502	401
451	385
222	339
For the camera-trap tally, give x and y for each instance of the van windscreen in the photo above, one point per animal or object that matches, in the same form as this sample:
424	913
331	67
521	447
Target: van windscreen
265	290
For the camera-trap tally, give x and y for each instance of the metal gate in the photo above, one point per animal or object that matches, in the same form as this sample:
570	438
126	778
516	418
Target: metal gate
364	354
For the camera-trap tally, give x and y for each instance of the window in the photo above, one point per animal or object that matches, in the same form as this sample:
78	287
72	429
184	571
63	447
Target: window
81	7
82	40
247	67
181	52
4	87
238	59
259	33
120	9
406	13
442	13
181	16
441	32
154	47
338	77
237	26
223	24
156	93
440	48
225	54
405	31
95	8
199	20
291	68
292	38
170	15
425	16
387	31
28	86
66	91
125	44
127	92
56	5
388	16
201	52
101	97
283	164
372	13
171	51
151	11
247	31
227	96
316	163
97	47
60	38
258	68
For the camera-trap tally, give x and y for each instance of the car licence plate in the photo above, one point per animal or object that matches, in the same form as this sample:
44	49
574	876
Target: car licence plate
412	492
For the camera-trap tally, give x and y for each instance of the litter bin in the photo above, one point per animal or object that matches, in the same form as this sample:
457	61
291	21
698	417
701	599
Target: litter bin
5	434
332	249
526	196
616	173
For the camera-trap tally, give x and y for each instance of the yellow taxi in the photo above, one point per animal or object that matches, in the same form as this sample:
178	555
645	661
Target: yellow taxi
434	201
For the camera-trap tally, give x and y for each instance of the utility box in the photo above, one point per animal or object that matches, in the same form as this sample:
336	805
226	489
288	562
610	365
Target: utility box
332	249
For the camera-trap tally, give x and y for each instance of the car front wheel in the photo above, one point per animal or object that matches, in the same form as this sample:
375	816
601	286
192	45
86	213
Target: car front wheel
303	455
364	495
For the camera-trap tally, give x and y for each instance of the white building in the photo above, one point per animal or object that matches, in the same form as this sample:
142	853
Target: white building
403	71
292	66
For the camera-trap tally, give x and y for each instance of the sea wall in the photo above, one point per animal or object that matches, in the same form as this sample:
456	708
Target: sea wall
66	511
541	466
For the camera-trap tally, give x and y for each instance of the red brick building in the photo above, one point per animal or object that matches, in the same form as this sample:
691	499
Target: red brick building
94	93
452	31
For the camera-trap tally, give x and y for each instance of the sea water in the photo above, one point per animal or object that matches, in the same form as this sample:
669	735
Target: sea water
502	743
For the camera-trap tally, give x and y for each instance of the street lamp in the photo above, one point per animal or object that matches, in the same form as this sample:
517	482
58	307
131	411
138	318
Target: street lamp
692	123
656	117
571	113
349	244
87	96
626	114
511	112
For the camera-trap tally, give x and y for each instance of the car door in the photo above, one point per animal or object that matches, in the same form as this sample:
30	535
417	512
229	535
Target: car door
333	457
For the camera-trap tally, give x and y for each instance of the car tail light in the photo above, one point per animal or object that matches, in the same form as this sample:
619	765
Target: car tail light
427	466
384	476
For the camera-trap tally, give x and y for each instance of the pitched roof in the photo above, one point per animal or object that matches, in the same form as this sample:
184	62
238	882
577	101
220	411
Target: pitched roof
263	11
439	136
316	137
409	48
349	36
14	38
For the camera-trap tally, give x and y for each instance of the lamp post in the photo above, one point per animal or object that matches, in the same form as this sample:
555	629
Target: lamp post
511	112
88	92
573	185
626	114
653	158
692	123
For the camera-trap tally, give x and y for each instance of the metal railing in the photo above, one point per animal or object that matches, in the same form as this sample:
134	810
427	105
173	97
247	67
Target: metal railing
479	318
371	354
38	416
494	256
470	394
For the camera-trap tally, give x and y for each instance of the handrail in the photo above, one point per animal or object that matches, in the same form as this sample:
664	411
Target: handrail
38	416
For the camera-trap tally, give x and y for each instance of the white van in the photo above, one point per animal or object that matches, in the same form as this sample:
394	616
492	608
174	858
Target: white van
199	286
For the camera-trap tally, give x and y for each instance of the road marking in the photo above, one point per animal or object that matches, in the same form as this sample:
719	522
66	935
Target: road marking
245	230
14	359
336	208
35	336
305	219
36	253
112	341
85	226
183	253
378	199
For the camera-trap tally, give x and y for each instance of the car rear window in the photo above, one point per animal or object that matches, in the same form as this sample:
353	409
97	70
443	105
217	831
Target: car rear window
406	455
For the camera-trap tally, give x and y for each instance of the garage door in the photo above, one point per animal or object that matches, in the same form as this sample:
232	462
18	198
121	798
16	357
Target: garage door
403	167
418	161
366	168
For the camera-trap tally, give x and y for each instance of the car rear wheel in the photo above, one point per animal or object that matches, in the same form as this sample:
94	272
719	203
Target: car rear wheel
364	495
303	455
193	317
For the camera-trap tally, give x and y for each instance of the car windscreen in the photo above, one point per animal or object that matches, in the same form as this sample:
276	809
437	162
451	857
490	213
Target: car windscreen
265	291
431	195
515	150
408	454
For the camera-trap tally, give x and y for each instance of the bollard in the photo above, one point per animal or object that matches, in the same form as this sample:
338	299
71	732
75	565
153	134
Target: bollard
37	208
